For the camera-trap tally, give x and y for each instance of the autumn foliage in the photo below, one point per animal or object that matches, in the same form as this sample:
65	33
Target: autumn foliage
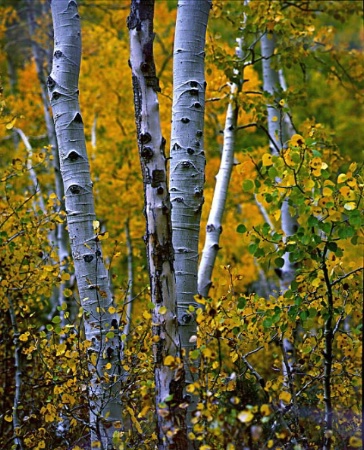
252	393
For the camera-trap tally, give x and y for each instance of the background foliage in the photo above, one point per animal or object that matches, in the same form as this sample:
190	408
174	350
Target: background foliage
246	400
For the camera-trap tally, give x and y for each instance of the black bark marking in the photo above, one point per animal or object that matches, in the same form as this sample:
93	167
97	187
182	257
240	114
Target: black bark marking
58	54
50	82
88	258
75	189
145	138
73	156
185	120
147	153
158	177
78	118
56	95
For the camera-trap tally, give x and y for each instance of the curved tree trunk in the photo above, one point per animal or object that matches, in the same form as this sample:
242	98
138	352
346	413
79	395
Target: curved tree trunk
168	366
101	327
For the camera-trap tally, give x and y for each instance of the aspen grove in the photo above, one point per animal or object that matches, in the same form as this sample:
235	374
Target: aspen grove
181	224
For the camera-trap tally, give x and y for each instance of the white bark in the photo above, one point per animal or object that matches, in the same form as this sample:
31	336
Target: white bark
169	379
130	294
187	168
18	376
61	238
271	85
214	222
91	274
280	131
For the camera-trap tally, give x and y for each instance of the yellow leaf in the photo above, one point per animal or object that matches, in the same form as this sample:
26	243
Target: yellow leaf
297	140
147	315
190	388
8	418
327	191
67	292
245	416
143	412
65	276
267	159
341	178
274	119
285	396
168	360
96	224
112	310
108	366
266	410
350	206
355	442
53	195
162	310
353	166
103	236
10	125
24	337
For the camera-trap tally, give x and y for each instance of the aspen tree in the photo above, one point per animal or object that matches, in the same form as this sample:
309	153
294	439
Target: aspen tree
168	365
100	320
279	130
187	169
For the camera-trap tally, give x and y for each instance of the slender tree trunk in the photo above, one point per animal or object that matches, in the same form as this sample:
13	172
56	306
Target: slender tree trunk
130	295
18	376
101	327
214	222
61	238
279	132
168	366
187	170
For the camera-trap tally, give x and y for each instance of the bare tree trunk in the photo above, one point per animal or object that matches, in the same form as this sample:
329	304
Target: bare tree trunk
168	365
187	169
101	326
214	221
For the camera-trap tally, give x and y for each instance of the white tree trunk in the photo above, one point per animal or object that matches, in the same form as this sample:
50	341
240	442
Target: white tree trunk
168	366
214	222
271	85
187	169
280	131
101	326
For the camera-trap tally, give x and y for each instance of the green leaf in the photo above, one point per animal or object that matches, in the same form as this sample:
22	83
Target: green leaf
279	262
312	221
268	322
110	334
241	228
56	319
248	185
332	246
241	303
252	248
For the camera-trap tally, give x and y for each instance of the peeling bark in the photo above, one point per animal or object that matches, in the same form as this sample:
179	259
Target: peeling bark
101	327
169	378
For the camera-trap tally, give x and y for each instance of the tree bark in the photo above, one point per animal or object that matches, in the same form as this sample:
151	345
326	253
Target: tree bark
214	222
168	366
101	326
187	171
